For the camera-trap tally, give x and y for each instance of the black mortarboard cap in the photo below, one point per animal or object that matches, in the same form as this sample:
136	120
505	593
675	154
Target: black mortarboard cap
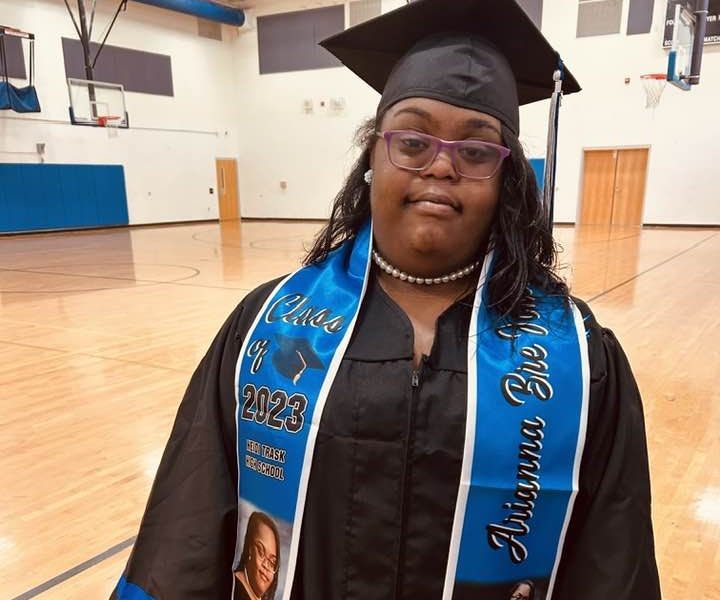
486	55
294	356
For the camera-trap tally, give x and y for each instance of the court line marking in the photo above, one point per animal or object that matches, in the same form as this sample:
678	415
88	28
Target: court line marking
14	321
38	270
611	240
137	282
660	264
84	566
65	354
110	552
83	290
253	244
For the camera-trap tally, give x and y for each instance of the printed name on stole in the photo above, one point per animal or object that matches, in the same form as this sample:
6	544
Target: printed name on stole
530	379
296	309
263	468
269	453
527	489
524	322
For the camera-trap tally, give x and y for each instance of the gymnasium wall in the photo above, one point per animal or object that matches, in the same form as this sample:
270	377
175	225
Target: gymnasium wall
312	153
169	153
683	132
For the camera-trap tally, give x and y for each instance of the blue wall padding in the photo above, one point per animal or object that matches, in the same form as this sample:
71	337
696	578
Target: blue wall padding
202	8
40	197
538	165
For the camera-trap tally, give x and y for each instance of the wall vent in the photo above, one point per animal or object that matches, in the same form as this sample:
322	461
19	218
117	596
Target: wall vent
209	29
363	10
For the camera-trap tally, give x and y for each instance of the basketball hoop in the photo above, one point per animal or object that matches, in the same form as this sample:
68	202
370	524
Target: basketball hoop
108	121
654	84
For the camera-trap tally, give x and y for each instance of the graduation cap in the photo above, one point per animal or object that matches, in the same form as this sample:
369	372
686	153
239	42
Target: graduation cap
486	55
294	356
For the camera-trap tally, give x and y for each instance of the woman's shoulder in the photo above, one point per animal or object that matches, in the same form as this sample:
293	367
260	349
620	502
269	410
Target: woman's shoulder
251	304
605	352
254	300
229	338
615	400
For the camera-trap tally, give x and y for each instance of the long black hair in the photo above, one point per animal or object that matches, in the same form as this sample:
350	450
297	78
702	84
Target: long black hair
524	247
251	534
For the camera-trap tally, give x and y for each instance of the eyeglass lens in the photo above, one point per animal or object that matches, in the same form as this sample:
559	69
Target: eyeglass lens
471	158
269	562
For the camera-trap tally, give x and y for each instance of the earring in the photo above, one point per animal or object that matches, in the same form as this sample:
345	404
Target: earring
368	177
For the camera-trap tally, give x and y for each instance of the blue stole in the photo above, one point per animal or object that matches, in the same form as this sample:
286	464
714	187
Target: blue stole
526	415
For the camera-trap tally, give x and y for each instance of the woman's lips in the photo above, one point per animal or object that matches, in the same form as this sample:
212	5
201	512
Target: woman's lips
435	204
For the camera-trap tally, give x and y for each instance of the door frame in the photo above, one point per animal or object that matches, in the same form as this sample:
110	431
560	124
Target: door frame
237	186
581	179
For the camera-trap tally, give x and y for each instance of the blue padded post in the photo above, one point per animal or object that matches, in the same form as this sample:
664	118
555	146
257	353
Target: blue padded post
538	166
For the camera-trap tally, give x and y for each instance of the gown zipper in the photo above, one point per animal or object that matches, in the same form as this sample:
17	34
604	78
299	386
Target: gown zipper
415	381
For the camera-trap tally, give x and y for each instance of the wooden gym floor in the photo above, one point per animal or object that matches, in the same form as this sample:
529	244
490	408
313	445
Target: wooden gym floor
100	331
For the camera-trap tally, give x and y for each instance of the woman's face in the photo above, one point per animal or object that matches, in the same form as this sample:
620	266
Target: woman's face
434	218
263	560
522	592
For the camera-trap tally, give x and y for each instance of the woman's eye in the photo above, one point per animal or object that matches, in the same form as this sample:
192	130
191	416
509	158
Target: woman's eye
413	143
476	154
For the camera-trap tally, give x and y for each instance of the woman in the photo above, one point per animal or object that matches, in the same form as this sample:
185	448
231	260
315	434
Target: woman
422	408
523	590
257	571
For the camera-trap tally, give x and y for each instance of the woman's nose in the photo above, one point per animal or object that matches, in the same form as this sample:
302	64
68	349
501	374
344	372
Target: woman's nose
442	166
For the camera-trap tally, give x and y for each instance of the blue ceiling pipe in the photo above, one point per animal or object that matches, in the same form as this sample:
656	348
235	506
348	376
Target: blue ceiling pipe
202	8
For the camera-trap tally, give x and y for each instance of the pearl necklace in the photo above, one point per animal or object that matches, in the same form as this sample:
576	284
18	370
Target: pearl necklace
398	274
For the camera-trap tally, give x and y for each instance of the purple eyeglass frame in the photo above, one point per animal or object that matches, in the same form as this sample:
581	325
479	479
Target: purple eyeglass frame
439	145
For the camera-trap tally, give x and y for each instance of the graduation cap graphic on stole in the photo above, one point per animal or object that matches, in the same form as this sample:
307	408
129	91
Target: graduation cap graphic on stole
294	356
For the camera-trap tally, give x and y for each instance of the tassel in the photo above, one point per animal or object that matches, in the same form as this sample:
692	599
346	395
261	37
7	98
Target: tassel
550	162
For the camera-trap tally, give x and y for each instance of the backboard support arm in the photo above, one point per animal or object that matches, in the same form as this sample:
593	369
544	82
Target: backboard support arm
121	6
701	13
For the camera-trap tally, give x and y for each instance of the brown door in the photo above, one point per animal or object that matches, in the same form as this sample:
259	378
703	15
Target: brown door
614	187
229	207
598	186
629	194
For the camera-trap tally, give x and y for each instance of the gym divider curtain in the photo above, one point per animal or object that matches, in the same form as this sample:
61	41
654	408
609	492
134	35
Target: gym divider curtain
19	99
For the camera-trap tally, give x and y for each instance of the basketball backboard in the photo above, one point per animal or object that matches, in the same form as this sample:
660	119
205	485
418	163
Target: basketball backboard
97	104
681	50
687	25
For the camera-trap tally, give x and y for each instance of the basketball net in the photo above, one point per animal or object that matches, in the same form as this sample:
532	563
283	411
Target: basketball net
654	85
111	124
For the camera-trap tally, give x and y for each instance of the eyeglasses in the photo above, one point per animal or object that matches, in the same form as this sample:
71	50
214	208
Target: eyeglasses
413	151
268	562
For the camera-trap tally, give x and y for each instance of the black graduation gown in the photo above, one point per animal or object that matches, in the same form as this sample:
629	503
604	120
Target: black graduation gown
385	474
